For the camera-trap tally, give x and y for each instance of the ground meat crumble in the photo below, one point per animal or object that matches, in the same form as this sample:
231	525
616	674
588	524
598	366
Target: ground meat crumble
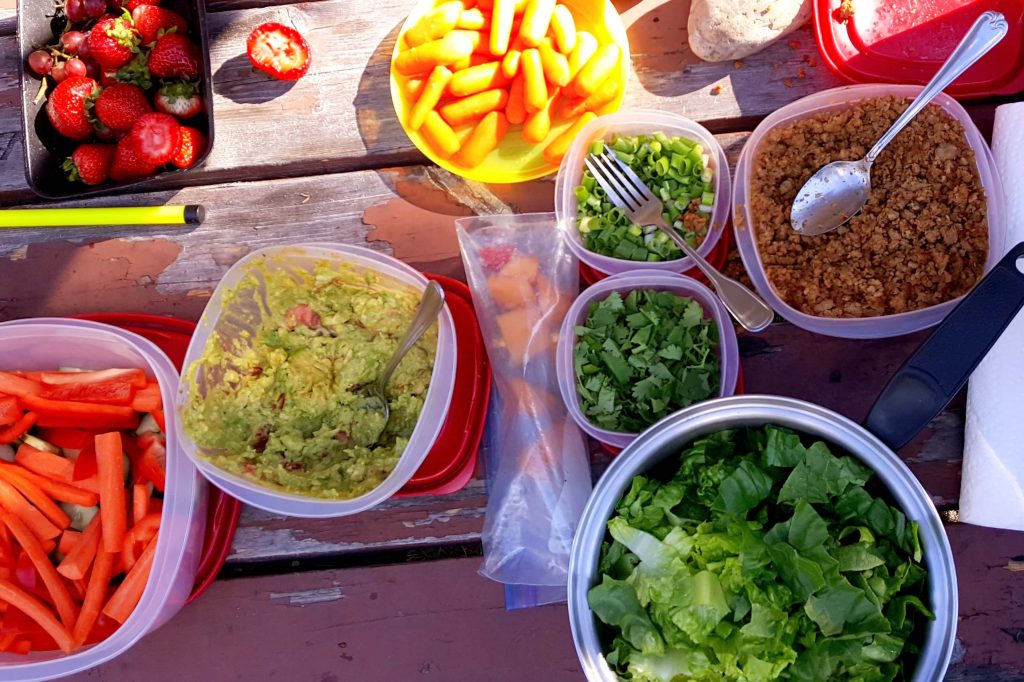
921	239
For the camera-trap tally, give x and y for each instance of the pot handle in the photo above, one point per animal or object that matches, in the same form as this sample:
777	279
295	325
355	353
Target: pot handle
940	367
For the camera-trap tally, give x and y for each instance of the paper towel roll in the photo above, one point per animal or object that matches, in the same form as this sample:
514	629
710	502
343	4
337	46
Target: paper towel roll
992	486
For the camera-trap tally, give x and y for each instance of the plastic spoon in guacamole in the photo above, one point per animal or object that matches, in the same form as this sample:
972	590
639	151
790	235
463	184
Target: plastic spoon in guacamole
426	313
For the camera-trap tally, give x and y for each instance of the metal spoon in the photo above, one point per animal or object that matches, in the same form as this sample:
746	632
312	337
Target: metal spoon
426	313
837	191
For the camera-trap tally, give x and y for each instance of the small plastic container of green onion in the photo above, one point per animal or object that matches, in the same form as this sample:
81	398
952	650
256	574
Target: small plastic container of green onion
684	165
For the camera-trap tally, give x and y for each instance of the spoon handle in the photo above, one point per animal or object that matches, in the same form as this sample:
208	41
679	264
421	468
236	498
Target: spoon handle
429	307
987	31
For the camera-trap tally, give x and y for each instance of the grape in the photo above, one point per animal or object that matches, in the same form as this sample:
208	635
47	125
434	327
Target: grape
83	48
40	62
75	67
94	9
92	70
75	11
72	41
58	72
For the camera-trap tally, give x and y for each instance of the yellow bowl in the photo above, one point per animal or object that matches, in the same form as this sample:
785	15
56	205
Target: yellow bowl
516	160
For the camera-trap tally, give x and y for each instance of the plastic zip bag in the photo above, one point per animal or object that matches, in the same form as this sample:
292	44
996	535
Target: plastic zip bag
523	279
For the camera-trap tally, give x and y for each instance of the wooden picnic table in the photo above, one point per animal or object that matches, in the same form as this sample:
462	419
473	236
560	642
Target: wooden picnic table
393	593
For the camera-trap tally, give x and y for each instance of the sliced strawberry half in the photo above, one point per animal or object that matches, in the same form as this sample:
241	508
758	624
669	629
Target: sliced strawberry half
278	50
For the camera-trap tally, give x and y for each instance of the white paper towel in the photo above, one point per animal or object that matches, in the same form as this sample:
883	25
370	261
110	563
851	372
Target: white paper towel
992	487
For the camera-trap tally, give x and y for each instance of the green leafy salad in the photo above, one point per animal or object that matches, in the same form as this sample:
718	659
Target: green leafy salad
676	170
642	357
760	559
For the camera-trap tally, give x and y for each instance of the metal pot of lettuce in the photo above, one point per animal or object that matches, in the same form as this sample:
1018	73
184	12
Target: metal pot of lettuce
759	537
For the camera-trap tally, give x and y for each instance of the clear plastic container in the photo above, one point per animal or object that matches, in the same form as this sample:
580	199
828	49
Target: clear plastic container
46	343
435	407
863	327
639	122
728	350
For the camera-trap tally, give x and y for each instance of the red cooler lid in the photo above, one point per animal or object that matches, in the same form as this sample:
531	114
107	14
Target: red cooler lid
905	41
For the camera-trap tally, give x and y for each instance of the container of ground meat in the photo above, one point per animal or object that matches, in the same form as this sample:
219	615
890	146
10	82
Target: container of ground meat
935	222
702	225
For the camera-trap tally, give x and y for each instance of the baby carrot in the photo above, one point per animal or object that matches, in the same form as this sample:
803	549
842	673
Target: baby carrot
536	20
515	109
95	594
477	79
434	25
555	64
140	501
110	462
510	63
535	89
576	106
55	585
538	124
472	19
586	46
470	61
598	69
413	87
473	107
485	137
501	26
422	58
435	87
560	145
563	26
37	611
439	134
127	595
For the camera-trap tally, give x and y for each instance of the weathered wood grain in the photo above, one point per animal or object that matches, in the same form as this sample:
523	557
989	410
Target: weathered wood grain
339	116
441	620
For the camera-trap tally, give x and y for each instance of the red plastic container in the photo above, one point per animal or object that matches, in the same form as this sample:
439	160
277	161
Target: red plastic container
906	41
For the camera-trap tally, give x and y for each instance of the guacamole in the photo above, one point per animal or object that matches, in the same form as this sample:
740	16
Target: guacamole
279	400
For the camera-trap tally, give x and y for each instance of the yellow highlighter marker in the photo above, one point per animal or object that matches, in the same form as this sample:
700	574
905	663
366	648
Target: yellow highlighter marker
192	214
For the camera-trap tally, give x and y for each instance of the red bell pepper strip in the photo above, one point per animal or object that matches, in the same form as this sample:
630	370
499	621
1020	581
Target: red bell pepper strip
74	439
12	384
158	417
78	411
85	464
19	428
10	410
112	392
136	377
148	399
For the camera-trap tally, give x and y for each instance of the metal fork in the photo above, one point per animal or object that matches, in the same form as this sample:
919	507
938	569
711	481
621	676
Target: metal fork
628	192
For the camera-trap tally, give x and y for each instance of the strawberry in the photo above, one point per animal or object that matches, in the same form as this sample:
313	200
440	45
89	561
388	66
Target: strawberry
90	163
278	50
66	107
128	165
191	147
113	42
135	72
174	56
132	4
119	105
179	99
151	20
156	137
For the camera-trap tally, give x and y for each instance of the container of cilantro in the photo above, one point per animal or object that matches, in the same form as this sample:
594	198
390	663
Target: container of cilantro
637	346
761	538
682	163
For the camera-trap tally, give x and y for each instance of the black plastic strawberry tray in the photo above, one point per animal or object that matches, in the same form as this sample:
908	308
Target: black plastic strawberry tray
45	149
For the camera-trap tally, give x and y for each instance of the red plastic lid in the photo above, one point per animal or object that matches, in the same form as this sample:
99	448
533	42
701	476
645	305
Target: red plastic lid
172	336
716	259
450	463
905	41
